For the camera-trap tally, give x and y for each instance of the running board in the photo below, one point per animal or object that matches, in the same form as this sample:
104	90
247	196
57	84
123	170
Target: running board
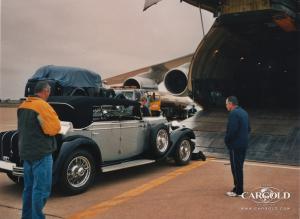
126	165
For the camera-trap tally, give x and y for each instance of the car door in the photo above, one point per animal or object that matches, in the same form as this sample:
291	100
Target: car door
106	131
107	135
133	133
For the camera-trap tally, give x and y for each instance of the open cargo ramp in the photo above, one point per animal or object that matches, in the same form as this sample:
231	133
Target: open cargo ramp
275	135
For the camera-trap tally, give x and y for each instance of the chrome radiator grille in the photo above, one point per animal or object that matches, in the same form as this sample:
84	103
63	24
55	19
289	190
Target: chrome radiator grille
9	147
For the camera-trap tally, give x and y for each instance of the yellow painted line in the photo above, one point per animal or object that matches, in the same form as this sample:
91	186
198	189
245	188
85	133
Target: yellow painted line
106	205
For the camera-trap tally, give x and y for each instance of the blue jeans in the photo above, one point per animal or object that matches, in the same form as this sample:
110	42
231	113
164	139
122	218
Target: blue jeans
37	186
237	158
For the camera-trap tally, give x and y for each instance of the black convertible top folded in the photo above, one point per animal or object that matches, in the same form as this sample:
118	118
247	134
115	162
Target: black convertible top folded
81	110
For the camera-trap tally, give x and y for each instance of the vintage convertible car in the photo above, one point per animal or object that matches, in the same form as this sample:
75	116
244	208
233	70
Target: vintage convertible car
102	134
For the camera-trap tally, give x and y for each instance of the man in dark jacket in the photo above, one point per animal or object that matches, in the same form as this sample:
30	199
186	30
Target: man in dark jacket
37	125
236	140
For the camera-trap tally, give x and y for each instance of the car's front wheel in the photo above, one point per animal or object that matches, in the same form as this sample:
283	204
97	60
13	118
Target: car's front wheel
78	172
183	151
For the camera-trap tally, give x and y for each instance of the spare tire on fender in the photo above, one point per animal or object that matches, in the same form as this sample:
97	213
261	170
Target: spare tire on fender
160	141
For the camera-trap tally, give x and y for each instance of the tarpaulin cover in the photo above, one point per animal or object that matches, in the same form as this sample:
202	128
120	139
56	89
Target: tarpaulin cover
68	76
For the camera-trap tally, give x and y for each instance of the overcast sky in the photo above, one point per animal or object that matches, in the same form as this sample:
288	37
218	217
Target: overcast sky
110	37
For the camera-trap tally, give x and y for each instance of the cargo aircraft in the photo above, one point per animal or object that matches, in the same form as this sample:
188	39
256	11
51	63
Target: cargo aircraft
251	51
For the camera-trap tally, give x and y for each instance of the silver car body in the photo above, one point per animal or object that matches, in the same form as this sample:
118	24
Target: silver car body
118	140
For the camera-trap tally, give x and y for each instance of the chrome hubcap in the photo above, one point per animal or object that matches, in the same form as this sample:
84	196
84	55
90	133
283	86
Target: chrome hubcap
185	150
78	171
162	140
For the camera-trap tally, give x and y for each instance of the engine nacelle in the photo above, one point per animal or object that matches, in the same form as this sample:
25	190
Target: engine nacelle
176	80
140	83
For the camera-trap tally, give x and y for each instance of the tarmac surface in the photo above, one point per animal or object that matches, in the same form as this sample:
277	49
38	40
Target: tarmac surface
163	190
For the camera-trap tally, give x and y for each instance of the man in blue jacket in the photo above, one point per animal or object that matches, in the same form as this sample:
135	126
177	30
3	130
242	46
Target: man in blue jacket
236	140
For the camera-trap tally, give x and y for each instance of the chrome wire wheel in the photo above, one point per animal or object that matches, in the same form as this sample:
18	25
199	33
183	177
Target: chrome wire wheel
78	171
185	150
162	141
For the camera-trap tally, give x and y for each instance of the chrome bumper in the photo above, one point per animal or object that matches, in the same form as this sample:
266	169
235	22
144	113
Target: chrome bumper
11	167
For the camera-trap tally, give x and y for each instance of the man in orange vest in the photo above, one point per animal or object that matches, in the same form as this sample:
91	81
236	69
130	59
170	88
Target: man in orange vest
37	126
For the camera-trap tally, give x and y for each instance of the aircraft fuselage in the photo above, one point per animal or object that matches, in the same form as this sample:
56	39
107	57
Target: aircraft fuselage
251	54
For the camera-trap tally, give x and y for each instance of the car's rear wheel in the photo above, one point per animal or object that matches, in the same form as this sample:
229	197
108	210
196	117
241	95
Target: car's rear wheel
78	172
183	151
160	142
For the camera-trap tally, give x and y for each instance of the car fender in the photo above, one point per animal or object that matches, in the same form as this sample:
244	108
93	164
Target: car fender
179	133
71	144
155	127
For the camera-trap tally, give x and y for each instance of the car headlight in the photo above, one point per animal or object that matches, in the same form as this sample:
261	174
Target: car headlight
65	127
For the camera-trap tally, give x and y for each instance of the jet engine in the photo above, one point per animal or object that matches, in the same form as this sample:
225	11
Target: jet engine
140	83
175	80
